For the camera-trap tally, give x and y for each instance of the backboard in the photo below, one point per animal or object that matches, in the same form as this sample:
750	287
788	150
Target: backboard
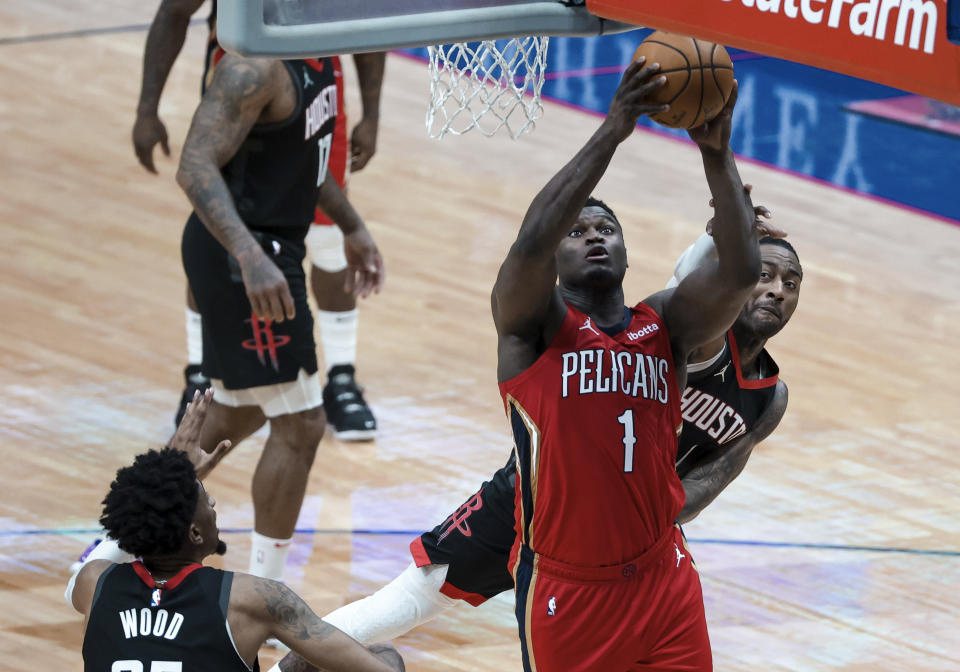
312	28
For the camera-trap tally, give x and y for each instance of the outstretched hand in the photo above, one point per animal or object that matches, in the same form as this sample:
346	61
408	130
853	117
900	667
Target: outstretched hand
632	98
714	135
760	212
187	436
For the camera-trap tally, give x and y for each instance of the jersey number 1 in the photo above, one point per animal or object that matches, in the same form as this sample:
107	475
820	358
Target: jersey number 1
629	439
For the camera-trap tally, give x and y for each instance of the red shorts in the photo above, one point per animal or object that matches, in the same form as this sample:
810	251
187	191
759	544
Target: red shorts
340	146
646	614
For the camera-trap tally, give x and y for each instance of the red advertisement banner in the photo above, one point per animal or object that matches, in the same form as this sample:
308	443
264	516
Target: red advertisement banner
900	43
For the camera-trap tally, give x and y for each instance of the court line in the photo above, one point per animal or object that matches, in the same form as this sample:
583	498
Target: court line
87	32
416	533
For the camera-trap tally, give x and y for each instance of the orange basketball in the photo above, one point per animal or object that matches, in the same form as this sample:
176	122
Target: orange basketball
699	77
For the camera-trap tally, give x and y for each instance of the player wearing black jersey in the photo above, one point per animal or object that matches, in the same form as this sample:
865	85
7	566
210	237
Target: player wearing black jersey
253	166
733	401
167	612
337	314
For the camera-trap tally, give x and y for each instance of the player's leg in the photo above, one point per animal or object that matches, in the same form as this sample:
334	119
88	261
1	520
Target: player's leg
613	617
235	422
464	558
680	641
411	599
337	315
450	567
260	370
338	324
279	485
569	626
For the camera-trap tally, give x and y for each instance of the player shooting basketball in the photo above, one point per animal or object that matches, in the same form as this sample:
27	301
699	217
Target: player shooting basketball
453	565
595	412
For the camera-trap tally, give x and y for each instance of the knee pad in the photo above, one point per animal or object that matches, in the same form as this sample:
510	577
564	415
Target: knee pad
411	599
325	245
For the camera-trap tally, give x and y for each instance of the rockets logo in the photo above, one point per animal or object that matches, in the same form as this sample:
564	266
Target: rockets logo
264	341
458	520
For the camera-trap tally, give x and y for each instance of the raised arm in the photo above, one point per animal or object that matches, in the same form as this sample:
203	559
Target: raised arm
240	92
268	608
363	140
365	271
164	42
709	299
524	292
709	477
703	251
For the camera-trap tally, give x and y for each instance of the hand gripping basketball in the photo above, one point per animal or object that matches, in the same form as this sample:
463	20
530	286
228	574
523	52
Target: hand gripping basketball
632	98
714	135
699	77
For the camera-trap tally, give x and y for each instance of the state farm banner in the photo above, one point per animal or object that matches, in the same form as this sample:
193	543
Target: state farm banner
901	43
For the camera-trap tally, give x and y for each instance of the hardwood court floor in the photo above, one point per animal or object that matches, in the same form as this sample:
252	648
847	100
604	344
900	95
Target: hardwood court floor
91	350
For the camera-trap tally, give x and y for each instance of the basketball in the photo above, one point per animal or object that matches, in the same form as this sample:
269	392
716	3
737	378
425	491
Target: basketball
699	77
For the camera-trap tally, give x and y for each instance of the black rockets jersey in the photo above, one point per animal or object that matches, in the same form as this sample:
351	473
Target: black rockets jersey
136	625
276	174
720	405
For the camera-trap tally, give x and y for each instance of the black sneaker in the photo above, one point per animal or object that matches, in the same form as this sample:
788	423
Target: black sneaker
194	381
347	412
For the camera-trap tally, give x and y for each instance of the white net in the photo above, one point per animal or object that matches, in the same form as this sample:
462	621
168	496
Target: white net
486	86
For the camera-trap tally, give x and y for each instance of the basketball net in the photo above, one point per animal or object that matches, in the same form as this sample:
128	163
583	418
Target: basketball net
487	86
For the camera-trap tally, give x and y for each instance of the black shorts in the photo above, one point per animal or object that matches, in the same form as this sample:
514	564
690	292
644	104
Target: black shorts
475	541
238	348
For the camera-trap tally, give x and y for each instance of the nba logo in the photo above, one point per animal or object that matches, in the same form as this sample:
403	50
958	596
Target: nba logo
552	606
155	598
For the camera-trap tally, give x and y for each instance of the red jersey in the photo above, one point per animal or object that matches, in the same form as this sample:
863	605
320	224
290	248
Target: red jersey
595	422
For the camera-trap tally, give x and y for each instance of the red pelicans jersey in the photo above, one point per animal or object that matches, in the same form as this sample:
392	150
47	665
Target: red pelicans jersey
595	422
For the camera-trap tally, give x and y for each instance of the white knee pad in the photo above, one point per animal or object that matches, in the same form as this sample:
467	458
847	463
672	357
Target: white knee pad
411	599
325	245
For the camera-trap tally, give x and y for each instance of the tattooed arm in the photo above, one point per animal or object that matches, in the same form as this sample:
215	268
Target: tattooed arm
716	471
164	42
243	92
363	140
261	608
